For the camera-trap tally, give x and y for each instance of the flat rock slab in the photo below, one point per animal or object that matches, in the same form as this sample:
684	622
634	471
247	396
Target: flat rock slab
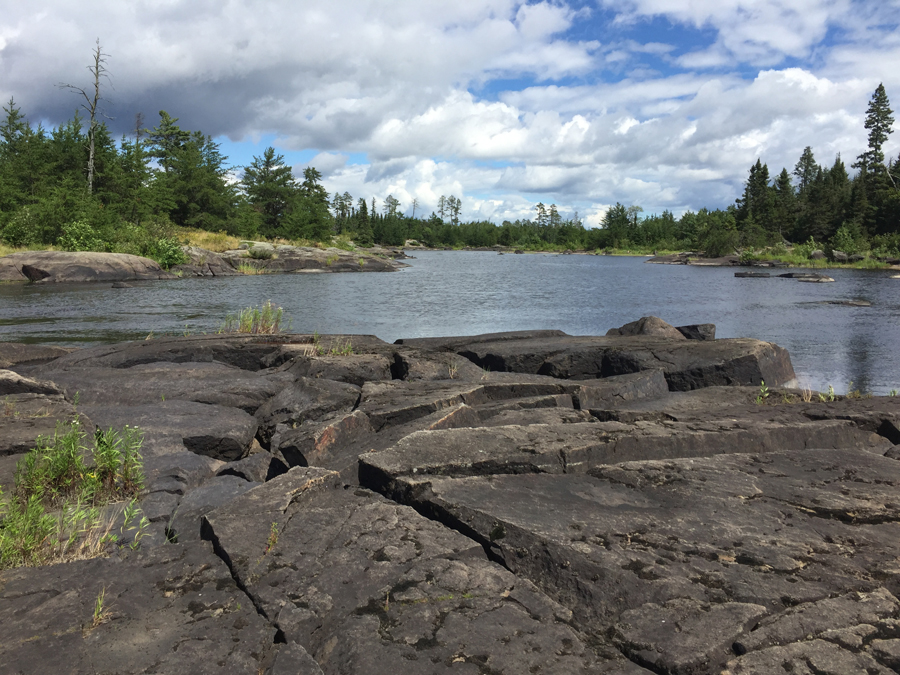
78	267
214	383
13	383
212	430
173	610
368	586
14	353
801	544
578	447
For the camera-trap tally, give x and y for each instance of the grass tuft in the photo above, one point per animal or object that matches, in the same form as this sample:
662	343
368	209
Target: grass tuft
264	320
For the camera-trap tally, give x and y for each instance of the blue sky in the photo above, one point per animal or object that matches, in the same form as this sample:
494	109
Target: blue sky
659	103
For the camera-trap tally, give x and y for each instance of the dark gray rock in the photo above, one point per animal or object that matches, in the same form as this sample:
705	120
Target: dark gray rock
304	400
351	368
213	383
13	383
648	325
688	364
14	354
211	430
576	448
816	657
807	536
618	390
699	331
839	256
170	610
185	524
25	417
367	586
258	468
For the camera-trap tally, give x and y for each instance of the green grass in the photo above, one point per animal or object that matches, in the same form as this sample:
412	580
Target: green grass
264	320
53	513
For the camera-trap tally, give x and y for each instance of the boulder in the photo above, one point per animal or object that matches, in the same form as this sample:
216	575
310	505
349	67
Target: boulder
839	256
817	255
649	325
13	383
78	267
351	368
212	430
25	417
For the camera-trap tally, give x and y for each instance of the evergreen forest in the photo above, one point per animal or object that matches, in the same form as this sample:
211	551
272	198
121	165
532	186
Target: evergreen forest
76	187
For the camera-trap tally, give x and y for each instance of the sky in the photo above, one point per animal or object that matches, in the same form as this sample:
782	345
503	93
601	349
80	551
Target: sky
664	104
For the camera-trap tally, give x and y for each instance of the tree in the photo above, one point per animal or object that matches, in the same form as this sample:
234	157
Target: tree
91	104
454	204
391	206
805	170
415	205
879	122
270	188
364	234
442	207
784	207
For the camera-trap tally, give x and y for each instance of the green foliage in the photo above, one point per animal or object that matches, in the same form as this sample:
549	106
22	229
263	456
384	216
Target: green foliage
79	236
64	474
261	252
20	229
167	252
264	320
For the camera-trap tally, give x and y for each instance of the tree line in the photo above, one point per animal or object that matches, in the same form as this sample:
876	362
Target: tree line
78	188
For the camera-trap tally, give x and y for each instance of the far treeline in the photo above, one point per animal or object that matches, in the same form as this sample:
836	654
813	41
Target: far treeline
75	187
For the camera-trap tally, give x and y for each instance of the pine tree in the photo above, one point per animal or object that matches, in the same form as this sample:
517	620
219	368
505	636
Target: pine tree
879	122
270	187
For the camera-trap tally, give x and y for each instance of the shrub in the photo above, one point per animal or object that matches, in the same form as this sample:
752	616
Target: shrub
261	253
167	252
78	235
19	231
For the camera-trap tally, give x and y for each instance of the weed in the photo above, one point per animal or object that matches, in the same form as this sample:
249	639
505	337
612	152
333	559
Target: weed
55	474
763	393
339	348
9	408
330	260
806	395
140	529
829	397
272	542
787	398
453	369
265	320
343	242
101	613
892	392
362	262
853	393
149	336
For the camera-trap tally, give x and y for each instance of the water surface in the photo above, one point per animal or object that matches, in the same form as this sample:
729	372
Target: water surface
459	293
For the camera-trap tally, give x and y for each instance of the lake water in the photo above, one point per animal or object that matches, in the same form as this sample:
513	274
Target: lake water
460	293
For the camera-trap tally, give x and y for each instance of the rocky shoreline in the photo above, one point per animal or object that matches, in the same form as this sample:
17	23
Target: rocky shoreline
83	267
527	502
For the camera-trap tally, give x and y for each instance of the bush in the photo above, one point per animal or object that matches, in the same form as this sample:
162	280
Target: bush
261	253
20	230
167	252
78	235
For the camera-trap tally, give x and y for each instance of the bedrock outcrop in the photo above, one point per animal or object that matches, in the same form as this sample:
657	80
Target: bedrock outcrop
526	502
78	267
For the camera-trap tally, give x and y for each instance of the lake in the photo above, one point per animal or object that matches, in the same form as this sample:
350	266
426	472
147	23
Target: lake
461	292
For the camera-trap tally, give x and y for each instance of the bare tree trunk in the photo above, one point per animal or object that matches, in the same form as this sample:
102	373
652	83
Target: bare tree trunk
91	104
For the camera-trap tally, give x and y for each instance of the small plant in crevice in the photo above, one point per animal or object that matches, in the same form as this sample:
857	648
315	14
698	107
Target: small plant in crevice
829	397
272	541
101	613
763	393
892	392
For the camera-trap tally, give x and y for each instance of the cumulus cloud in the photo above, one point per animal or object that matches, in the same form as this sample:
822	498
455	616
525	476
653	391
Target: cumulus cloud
499	102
